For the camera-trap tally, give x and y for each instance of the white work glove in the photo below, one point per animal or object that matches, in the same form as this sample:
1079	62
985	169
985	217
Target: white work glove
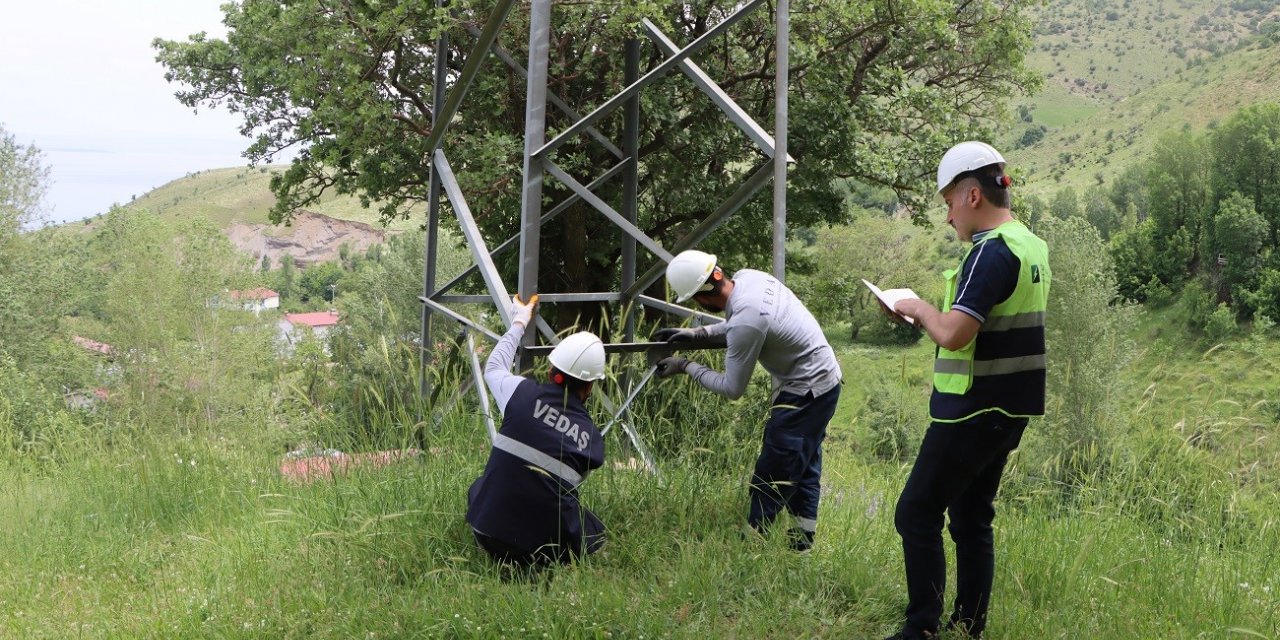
522	313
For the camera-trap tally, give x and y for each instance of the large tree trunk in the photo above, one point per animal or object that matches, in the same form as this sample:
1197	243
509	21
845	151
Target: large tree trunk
576	275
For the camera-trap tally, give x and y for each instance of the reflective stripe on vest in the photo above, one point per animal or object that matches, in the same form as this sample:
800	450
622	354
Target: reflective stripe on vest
996	367
1016	321
951	369
537	459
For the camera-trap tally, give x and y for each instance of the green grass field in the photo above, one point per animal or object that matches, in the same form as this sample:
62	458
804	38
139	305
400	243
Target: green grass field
137	525
195	533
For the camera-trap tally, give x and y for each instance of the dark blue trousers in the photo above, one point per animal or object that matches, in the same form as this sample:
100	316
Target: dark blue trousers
789	469
957	472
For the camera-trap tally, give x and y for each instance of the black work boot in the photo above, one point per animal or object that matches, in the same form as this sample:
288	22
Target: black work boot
800	540
903	635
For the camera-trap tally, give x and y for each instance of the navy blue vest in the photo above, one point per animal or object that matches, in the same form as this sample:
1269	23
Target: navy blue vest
528	495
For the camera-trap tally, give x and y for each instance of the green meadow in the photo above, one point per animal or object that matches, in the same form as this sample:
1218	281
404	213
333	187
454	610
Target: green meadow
124	528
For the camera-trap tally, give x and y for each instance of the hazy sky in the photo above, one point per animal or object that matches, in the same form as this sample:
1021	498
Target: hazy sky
79	80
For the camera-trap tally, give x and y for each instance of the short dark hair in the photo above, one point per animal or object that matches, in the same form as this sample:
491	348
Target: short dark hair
570	383
993	183
717	285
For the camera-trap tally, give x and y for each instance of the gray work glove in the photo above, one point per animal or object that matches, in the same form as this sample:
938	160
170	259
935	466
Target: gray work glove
672	365
678	335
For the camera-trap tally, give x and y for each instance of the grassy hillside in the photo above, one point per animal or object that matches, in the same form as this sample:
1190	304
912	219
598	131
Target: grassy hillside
241	194
1118	73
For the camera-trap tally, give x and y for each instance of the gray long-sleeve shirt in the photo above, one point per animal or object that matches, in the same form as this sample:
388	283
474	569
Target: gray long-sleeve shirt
765	322
497	369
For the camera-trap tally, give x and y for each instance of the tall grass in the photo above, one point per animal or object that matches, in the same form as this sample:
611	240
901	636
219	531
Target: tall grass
138	528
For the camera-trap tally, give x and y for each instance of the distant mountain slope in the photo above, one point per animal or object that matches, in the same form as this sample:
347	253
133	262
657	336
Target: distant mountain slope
310	238
1118	73
243	195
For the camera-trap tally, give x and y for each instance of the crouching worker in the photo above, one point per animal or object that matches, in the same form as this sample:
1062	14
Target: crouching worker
524	509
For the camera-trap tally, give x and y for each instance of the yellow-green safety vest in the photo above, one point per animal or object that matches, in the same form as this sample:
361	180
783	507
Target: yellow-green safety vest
1016	325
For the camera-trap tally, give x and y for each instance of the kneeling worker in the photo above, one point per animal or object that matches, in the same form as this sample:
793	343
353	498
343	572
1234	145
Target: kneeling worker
765	322
524	509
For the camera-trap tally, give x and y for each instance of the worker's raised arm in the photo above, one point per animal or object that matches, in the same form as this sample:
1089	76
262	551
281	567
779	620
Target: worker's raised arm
497	369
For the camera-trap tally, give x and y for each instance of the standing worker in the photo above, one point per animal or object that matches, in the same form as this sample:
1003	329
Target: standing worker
765	322
524	509
988	380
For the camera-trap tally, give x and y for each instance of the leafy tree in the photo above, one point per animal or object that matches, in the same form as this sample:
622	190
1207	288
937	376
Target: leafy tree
870	196
1132	254
1265	298
23	181
1179	194
1030	209
1088	348
886	87
319	282
1065	204
42	273
1129	190
1247	152
887	252
1197	305
160	283
1237	237
1031	136
285	277
1102	214
1221	324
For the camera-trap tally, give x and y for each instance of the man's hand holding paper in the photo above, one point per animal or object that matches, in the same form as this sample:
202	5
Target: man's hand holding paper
891	298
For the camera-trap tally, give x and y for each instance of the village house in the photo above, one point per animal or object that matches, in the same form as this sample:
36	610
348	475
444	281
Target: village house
255	300
294	325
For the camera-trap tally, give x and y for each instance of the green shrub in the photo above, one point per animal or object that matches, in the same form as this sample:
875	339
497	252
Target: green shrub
880	331
1087	349
895	414
1221	323
1196	305
1156	294
34	422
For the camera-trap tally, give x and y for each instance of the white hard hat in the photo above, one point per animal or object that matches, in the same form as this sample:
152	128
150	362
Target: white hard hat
580	355
963	157
688	272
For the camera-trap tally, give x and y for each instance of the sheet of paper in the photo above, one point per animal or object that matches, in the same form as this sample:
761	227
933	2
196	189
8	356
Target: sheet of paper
891	296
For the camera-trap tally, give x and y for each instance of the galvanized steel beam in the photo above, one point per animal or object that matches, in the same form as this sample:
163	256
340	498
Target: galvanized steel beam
741	196
700	79
602	207
479	251
649	78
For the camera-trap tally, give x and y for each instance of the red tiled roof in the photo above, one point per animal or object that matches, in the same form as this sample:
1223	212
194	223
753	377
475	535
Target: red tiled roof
314	319
92	345
259	293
